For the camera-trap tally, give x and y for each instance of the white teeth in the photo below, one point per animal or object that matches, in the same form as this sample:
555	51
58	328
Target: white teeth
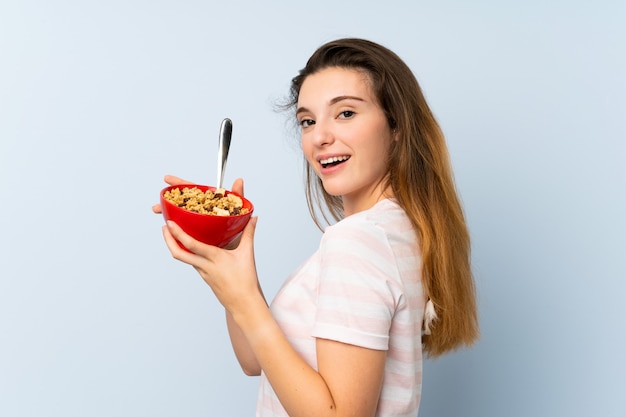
334	159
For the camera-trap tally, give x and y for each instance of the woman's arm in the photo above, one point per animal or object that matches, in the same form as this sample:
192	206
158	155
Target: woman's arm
347	383
244	355
348	379
241	347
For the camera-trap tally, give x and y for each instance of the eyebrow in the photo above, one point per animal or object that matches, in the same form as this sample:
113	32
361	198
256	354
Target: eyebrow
332	101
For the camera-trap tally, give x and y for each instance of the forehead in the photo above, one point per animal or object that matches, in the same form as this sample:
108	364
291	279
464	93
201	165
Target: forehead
332	82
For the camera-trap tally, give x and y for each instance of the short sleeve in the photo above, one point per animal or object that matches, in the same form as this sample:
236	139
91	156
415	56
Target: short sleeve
358	288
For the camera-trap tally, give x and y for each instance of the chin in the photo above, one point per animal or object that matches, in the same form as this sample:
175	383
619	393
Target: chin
332	190
335	191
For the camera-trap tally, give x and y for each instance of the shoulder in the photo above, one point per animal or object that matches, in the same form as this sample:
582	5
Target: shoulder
383	219
375	229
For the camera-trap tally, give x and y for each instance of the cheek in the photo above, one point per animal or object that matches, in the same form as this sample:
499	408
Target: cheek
307	151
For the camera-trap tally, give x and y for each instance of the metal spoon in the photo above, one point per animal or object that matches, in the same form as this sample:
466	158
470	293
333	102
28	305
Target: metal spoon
226	131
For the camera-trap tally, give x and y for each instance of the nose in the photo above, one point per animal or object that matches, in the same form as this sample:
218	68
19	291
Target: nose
322	134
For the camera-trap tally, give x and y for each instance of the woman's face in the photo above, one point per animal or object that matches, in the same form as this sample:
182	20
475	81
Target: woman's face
345	136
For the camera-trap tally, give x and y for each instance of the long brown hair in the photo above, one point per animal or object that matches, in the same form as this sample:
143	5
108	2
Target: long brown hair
420	175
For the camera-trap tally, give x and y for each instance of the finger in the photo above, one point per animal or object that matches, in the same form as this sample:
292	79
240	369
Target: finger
194	246
234	244
174	180
176	251
238	186
247	236
157	209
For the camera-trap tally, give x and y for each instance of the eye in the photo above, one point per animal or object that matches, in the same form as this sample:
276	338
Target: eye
306	122
346	114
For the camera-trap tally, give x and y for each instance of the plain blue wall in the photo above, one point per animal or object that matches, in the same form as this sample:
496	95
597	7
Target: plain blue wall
98	100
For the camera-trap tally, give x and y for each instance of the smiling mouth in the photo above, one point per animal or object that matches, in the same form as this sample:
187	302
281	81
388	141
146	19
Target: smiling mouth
335	160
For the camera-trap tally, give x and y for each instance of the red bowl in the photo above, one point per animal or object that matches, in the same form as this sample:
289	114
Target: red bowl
209	229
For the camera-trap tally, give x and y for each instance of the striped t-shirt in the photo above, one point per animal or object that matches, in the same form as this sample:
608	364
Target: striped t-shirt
362	287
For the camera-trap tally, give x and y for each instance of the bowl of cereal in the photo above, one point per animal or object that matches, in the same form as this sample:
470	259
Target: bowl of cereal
214	216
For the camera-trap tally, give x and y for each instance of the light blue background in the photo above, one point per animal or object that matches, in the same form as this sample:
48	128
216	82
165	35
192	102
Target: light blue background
98	100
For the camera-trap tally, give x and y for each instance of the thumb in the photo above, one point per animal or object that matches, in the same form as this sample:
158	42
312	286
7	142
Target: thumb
238	186
247	237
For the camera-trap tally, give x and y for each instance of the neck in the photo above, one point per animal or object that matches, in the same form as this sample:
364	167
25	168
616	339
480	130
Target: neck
353	205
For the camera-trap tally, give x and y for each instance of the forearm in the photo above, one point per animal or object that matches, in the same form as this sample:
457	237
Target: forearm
300	388
241	347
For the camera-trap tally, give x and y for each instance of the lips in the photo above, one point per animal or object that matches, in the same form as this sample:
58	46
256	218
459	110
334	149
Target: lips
333	160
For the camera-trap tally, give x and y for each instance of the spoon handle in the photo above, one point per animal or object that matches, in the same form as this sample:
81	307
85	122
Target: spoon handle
226	131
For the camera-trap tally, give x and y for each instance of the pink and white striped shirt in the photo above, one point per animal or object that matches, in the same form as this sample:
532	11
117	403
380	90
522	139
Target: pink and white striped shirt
362	287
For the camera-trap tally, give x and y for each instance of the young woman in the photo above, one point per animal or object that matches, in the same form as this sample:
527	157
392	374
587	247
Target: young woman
391	279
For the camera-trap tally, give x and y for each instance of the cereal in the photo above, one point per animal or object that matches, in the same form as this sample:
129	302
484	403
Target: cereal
215	203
